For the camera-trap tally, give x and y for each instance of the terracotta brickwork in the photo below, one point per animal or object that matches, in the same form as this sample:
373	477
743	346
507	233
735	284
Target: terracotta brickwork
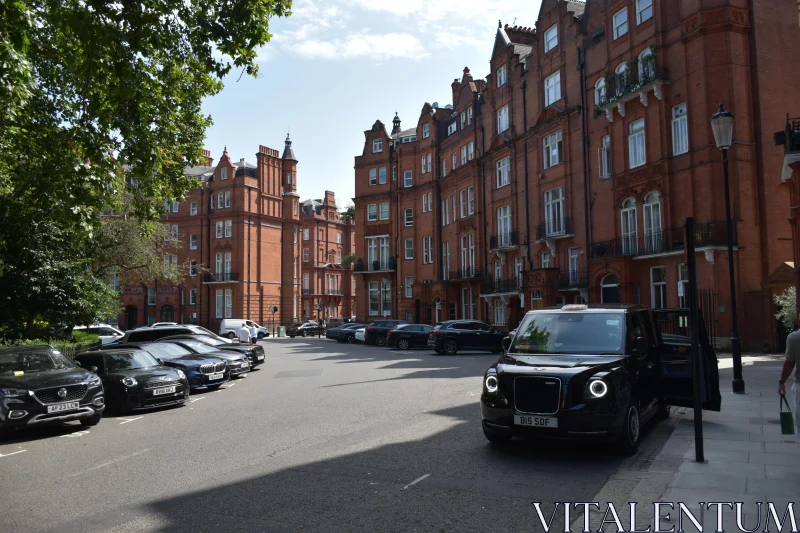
591	146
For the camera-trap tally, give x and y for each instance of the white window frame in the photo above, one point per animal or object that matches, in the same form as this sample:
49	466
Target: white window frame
444	166
454	159
551	38
306	255
408	216
644	11
377	146
424	251
372	215
651	216
600	91
620	23
228	229
504	225
219	229
680	130
306	234
502	75
628	224
637	144
220	200
544	260
451	128
175	206
554	211
430	201
423	165
430	162
464	155
471	150
174	233
503	171
227	198
430	249
573	265
470	200
192	268
193	209
552	88
219	304
683	301
192	296
502	119
462	203
424	203
228	263
426	130
658	286
552	149
383	211
469	115
306	283
408	178
373	176
463	120
223	173
382	176
193	242
409	286
228	303
604	157
408	249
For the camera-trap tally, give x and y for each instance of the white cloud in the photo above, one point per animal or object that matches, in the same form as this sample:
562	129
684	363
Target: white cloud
458	39
375	46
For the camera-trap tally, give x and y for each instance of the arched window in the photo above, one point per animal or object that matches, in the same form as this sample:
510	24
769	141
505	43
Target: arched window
600	92
628	227
609	289
167	313
646	66
652	223
621	77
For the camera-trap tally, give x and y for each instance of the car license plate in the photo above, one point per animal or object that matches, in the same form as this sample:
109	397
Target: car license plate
260	357
63	407
214	377
165	390
536	421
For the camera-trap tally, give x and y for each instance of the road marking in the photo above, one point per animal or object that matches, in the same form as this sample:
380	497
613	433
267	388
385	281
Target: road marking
76	434
231	385
415	481
200	398
129	420
109	463
12	453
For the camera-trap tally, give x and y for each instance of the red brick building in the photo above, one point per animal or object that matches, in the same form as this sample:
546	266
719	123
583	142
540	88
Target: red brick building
326	240
566	175
240	232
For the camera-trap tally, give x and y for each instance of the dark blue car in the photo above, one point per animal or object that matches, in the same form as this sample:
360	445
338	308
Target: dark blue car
201	370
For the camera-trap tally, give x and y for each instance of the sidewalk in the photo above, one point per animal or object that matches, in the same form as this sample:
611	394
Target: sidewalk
748	460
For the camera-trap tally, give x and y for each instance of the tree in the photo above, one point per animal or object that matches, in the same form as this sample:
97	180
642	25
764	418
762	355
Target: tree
88	89
349	213
349	259
787	308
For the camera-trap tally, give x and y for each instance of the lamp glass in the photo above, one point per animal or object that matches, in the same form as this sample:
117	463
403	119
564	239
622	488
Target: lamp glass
722	125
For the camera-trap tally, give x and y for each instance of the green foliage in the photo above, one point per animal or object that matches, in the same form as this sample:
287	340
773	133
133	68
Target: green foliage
88	89
348	214
80	342
787	308
349	259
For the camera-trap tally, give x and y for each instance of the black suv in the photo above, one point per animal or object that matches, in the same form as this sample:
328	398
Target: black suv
377	332
39	385
454	335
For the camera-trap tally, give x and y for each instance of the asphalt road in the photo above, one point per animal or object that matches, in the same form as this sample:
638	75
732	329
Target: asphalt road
323	437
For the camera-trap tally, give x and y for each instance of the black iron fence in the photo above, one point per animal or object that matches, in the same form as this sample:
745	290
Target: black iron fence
677	322
504	240
574	278
465	273
791	141
220	278
664	241
502	285
553	228
636	76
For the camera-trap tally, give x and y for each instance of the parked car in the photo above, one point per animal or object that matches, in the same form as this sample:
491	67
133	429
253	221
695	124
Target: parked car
453	335
361	334
254	353
407	336
377	331
163	324
133	379
592	372
200	370
303	330
150	334
106	332
344	333
229	327
238	364
334	322
39	385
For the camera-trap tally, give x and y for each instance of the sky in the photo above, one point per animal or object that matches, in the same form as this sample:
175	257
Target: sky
334	67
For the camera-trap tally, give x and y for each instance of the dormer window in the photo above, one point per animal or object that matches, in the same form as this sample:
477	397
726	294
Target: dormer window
551	38
223	173
501	76
451	128
377	146
426	130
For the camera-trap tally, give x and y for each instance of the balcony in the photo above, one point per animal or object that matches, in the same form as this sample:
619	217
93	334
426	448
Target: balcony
387	265
665	242
334	292
308	291
635	82
501	286
504	241
465	273
554	229
226	277
790	139
792	136
573	279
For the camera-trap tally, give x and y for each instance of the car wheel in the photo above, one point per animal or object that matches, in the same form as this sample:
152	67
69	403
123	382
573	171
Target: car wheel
291	336
450	347
380	340
438	351
628	441
231	335
5	432
498	439
403	344
92	420
260	335
302	333
351	339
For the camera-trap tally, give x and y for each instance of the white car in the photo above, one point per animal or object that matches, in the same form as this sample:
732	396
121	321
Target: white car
361	334
106	332
230	327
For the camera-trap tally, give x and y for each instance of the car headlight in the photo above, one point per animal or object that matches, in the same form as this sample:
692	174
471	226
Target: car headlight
129	382
13	393
181	375
491	383
596	389
95	381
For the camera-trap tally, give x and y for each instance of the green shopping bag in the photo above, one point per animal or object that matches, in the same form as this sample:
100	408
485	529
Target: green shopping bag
787	420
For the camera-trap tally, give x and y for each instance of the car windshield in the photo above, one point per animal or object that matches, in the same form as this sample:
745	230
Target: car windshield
198	346
570	333
201	330
26	361
127	361
166	350
211	341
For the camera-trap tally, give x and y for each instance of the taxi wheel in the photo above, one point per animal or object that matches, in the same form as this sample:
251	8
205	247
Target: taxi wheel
631	432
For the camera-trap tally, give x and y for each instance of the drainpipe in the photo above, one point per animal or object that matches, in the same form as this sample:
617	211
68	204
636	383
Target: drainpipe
485	214
392	154
584	128
199	292
527	181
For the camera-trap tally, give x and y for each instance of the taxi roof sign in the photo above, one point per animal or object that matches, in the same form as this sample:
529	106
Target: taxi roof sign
575	307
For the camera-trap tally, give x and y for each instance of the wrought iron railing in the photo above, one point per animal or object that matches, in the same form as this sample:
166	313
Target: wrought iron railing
465	273
631	81
663	241
502	285
792	143
573	278
554	228
220	278
504	240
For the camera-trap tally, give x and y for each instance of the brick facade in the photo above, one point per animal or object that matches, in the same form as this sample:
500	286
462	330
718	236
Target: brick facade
592	145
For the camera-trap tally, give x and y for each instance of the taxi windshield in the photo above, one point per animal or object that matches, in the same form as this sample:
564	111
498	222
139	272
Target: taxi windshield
583	333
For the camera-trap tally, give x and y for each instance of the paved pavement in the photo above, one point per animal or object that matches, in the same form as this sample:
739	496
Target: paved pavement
747	460
323	437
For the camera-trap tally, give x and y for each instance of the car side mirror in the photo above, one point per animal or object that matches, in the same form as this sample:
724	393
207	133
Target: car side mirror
506	343
93	370
641	345
160	361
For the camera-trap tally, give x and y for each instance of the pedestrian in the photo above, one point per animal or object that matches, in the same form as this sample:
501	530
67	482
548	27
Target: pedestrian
244	334
253	334
792	358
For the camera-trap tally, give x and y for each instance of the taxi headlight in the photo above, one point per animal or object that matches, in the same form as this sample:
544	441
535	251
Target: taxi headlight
597	388
491	383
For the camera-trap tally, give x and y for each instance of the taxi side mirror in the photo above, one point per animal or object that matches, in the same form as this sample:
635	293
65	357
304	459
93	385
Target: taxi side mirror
93	369
641	345
506	343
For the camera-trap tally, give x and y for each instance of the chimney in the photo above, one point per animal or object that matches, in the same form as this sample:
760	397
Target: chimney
208	159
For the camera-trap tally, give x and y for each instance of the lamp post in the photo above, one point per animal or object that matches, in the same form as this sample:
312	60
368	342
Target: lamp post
722	125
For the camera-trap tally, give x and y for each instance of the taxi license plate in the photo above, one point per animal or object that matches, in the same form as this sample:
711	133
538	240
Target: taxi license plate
165	390
536	421
62	407
214	377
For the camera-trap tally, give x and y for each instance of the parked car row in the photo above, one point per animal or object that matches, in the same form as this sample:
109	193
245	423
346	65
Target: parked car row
39	385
